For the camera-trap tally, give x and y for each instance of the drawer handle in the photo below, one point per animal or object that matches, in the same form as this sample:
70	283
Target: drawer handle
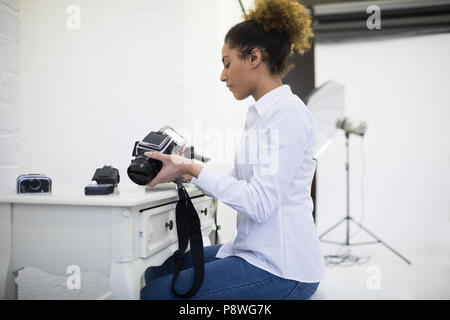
170	225
204	211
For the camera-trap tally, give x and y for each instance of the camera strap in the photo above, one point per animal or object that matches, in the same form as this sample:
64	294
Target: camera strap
188	231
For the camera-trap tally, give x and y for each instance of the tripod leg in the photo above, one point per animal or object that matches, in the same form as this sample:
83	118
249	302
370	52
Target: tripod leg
340	221
381	241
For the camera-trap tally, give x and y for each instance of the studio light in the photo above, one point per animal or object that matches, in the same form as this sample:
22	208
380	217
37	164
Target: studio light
327	104
352	126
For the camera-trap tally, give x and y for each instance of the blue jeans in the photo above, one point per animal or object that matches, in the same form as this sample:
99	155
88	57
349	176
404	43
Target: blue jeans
231	278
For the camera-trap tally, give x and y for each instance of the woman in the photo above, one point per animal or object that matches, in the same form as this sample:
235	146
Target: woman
276	253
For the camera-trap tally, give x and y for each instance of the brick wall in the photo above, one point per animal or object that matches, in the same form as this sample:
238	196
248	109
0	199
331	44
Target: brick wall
9	93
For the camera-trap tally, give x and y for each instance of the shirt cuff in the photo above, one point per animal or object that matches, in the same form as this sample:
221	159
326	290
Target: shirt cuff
207	180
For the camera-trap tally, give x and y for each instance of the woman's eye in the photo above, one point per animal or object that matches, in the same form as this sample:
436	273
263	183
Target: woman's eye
227	66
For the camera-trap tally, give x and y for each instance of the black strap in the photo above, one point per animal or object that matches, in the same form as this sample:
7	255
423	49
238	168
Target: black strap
188	230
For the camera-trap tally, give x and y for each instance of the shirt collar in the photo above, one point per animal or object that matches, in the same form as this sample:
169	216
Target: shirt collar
266	101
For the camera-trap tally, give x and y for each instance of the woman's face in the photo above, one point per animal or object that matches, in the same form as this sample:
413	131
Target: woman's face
236	73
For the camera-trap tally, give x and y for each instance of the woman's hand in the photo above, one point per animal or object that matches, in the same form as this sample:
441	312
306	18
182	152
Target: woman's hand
173	167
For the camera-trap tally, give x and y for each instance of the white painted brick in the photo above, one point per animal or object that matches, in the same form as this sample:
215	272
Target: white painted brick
8	177
9	88
9	25
9	56
12	4
9	93
9	118
8	149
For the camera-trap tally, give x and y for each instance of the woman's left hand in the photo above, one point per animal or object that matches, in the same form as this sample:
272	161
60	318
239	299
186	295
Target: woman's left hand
173	167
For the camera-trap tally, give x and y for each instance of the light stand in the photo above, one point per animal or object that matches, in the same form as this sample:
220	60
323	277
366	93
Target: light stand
349	219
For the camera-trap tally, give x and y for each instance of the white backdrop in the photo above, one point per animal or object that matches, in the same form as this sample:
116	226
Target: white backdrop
400	87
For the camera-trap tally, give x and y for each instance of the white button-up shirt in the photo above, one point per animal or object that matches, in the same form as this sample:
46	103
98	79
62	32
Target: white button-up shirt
270	188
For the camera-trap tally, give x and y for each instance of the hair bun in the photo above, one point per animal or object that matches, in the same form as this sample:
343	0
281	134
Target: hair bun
284	16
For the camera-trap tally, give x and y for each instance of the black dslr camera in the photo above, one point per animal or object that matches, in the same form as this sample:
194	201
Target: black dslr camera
166	140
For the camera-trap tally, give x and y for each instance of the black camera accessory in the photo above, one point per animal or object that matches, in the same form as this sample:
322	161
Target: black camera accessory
142	169
188	230
33	183
103	181
98	189
107	175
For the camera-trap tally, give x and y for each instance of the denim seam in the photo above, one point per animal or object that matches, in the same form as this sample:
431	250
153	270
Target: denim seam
305	289
235	287
292	292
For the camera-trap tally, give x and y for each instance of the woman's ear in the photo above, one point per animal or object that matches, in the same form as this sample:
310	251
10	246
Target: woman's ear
255	57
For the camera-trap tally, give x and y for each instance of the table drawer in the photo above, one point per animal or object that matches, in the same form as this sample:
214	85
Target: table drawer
157	226
206	209
157	229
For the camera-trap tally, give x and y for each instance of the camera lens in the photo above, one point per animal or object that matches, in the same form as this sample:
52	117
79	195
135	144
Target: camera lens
35	184
142	170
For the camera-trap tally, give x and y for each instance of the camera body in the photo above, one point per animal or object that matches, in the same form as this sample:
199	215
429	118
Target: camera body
143	169
33	183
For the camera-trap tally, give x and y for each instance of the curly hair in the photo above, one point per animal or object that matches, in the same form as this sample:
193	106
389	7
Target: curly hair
278	28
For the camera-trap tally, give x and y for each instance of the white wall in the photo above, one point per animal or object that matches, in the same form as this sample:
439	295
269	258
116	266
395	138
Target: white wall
400	87
88	94
133	66
9	92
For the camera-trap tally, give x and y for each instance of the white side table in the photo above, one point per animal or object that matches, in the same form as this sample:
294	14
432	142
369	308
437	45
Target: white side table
117	236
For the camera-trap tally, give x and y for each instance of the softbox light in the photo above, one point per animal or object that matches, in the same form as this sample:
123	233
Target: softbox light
327	103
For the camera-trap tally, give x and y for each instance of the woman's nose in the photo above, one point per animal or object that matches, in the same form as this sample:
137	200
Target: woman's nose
223	76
